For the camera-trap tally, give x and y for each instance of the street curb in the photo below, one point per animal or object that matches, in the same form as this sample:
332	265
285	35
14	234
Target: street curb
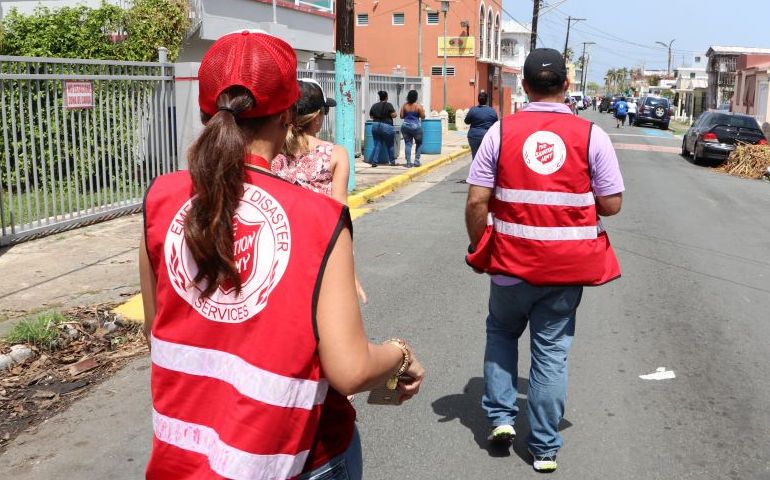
383	188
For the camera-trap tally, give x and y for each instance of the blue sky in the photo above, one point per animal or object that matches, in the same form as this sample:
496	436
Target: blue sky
626	32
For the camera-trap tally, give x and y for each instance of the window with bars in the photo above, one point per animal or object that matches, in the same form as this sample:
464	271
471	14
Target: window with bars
398	19
362	19
438	71
432	18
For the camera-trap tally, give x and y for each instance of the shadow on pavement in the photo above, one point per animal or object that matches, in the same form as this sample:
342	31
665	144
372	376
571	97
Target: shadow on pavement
466	407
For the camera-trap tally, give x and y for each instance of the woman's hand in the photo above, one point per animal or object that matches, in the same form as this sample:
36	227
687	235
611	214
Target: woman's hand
409	385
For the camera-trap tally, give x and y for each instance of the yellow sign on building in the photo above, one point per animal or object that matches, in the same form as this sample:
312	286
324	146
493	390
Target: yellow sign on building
457	46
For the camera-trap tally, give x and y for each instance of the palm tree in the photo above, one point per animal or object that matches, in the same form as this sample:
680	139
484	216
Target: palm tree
609	80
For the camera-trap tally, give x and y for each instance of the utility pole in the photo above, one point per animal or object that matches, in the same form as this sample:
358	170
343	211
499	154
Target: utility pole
584	67
668	45
535	15
345	85
569	25
445	10
419	38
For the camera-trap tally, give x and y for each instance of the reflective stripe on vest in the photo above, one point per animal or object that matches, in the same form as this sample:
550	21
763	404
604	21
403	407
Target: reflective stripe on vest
253	382
545	233
224	459
535	197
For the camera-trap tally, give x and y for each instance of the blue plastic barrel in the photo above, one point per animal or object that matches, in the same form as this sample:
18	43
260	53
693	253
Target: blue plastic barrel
431	136
369	144
368	141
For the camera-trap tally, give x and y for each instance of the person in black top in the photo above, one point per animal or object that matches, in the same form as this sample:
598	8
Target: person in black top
480	118
383	133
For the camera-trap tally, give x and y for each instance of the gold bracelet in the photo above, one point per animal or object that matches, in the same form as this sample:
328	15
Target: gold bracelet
392	382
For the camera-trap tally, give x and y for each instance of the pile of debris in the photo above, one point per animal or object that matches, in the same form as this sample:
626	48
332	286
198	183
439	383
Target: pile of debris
41	381
748	161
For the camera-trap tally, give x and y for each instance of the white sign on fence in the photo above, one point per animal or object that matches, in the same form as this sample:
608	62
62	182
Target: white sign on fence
78	95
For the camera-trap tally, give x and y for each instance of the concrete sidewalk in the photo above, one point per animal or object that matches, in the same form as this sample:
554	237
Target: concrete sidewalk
98	264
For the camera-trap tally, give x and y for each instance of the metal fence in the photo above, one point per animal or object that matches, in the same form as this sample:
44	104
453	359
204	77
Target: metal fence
81	140
367	86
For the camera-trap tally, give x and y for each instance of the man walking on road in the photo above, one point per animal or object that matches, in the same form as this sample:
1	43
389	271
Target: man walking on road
551	174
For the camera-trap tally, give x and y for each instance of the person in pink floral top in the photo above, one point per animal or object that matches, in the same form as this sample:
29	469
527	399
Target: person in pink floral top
310	162
307	160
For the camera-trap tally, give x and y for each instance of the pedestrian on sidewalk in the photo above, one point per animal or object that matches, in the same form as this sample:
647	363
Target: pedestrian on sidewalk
632	109
249	298
383	132
310	162
621	111
551	175
411	129
480	118
307	160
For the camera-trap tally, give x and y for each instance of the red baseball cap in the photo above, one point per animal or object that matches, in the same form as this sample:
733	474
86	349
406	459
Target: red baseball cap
255	60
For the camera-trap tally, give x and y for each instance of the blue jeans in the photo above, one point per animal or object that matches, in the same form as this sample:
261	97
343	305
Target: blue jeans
348	466
550	312
384	137
412	133
475	143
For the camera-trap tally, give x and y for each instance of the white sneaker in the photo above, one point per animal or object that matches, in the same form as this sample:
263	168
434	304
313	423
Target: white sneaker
503	434
544	463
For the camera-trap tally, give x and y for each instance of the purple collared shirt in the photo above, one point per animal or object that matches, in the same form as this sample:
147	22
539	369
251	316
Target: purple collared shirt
606	178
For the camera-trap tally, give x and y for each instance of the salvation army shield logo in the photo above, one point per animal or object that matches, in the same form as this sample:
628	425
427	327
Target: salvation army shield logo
544	152
244	250
261	248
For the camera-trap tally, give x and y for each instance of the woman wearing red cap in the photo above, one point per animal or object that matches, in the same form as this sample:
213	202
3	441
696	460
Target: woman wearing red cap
249	294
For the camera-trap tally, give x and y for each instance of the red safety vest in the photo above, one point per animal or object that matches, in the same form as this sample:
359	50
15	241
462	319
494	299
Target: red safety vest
544	227
237	386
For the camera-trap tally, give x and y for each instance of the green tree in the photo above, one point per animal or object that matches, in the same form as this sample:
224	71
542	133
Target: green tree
105	33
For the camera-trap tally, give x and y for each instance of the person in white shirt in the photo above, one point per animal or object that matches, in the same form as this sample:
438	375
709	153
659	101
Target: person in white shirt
631	111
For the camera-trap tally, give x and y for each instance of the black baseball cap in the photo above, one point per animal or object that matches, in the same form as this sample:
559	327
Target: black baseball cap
312	98
544	60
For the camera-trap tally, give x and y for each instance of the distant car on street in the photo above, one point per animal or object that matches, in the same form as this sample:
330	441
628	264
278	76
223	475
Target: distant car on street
715	134
608	103
655	110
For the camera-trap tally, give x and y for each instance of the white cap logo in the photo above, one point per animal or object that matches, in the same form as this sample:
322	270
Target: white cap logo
544	152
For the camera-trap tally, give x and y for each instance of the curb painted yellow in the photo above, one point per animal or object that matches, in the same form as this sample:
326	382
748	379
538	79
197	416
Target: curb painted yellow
133	310
393	183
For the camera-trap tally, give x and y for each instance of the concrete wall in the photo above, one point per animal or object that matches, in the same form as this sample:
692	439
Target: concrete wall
303	30
188	116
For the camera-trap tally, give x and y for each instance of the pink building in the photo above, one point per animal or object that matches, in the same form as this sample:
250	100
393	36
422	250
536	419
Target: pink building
751	97
387	38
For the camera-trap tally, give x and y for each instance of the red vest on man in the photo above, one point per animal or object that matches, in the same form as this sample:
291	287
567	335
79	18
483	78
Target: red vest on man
545	229
237	386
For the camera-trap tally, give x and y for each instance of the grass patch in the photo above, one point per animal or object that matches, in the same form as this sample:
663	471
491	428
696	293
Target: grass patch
678	128
41	331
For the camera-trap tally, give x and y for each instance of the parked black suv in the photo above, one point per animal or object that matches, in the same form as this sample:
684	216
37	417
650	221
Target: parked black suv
715	134
607	102
655	110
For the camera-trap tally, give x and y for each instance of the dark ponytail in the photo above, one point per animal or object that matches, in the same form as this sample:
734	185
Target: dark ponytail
216	162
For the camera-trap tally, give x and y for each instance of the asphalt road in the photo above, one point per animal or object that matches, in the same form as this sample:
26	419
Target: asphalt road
693	298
